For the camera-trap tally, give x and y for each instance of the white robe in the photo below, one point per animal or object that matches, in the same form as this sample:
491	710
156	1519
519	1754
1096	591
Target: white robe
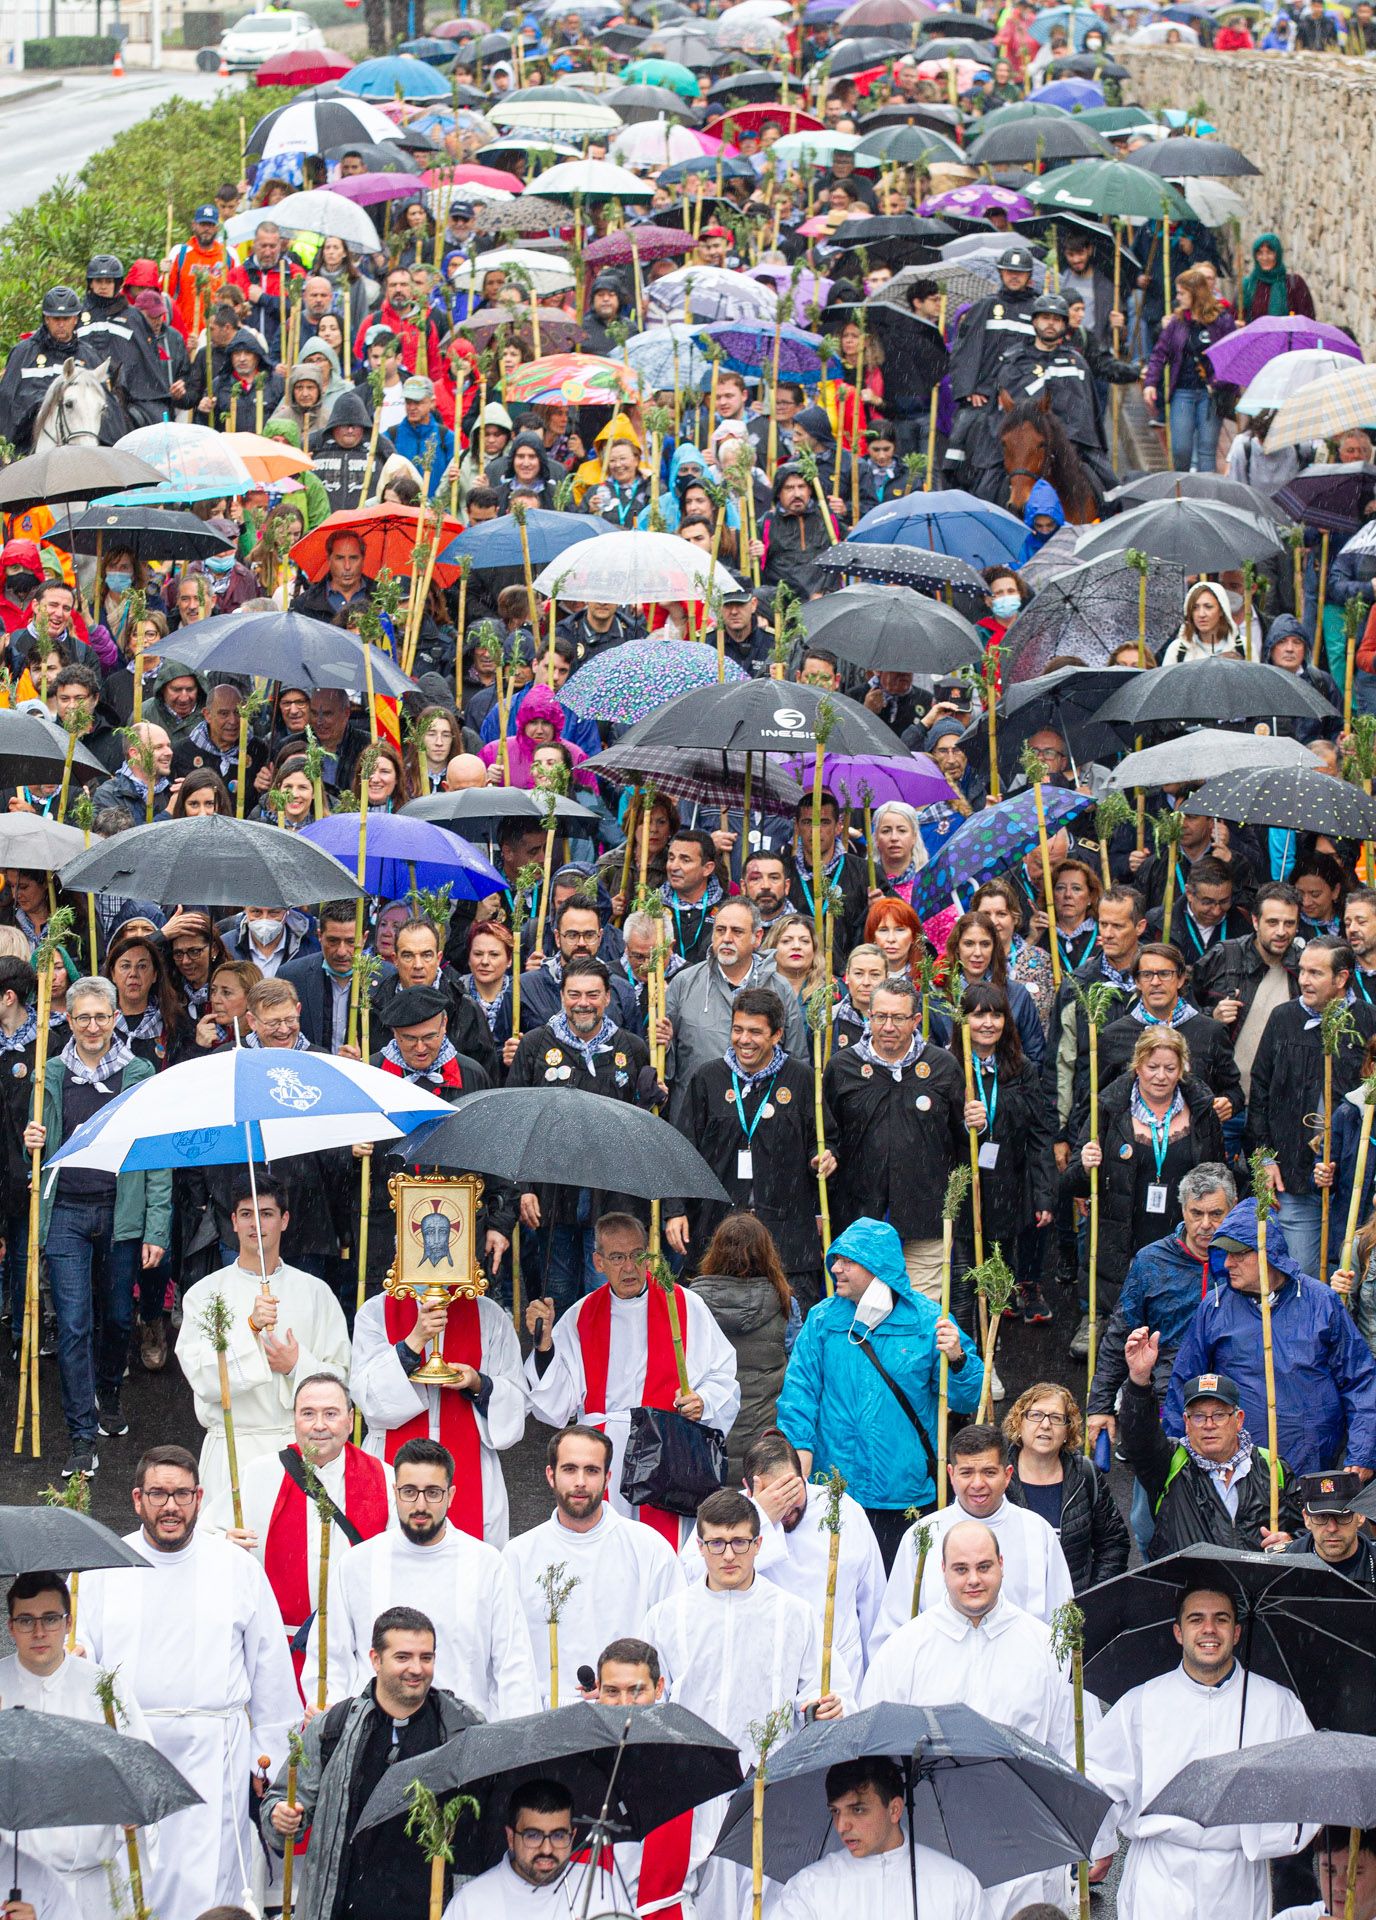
880	1888
1176	1870
482	1644
622	1571
86	1857
259	1486
1035	1575
500	1894
261	1399
559	1395
1004	1669
387	1398
199	1643
48	1893
797	1562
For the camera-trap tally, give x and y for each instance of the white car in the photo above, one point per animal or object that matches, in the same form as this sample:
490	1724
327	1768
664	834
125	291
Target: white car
255	38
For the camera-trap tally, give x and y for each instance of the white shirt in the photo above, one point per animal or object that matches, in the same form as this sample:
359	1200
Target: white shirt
1035	1575
261	1399
482	1645
501	1894
621	1570
880	1888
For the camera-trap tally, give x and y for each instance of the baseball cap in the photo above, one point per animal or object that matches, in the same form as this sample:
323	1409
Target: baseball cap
738	597
1329	1492
1212	1386
417	388
461	210
207	212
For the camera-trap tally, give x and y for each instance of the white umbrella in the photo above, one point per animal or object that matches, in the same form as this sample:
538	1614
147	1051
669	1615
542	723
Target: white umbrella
1287	373
548	273
569	116
319	211
634	569
593	179
713	293
1215	204
1159	33
1198	756
655	143
750	32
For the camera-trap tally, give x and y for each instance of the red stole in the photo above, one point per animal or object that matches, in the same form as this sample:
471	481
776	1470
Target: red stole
660	1386
462	1346
664	1855
451	1073
367	1504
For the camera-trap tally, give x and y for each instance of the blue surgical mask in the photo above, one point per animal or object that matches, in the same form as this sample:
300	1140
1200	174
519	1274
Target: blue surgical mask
219	563
119	582
1005	606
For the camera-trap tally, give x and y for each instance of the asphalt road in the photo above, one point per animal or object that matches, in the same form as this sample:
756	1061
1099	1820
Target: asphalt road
56	133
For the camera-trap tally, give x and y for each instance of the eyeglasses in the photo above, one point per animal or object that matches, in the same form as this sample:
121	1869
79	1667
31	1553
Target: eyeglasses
1035	1418
737	1548
611	1259
1219	1418
90	1019
289	1025
556	1836
31	1622
180	951
432	1496
183	1497
1157	973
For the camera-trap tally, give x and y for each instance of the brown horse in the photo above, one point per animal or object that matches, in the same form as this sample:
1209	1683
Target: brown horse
1036	447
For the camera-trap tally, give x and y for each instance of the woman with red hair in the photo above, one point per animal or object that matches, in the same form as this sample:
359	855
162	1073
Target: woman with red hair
893	927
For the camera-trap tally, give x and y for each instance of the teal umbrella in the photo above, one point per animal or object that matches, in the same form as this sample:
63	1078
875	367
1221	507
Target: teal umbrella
662	73
1110	188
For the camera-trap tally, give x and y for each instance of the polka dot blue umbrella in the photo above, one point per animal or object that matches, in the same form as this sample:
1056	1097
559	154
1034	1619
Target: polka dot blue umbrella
988	843
636	679
749	349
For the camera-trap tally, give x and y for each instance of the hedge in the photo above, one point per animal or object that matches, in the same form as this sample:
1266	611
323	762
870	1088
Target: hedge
71	50
118	201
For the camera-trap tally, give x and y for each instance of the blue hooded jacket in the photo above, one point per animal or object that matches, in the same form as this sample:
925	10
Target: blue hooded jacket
1325	1374
834	1404
1042	503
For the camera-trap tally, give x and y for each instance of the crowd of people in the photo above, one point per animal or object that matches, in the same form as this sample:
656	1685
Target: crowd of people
973	1049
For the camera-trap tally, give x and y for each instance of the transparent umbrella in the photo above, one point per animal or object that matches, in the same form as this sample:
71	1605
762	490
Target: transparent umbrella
196	462
626	569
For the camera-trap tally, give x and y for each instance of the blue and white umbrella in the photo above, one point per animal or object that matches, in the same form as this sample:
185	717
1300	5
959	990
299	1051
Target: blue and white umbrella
248	1102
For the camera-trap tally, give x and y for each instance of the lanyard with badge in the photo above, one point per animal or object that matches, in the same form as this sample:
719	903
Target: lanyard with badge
988	1147
745	1158
1160	1144
703	910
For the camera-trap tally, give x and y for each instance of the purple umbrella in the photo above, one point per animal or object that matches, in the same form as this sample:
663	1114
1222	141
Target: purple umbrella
974	202
750	349
651	243
1069	94
809	290
1240	356
919	781
368	189
1335	499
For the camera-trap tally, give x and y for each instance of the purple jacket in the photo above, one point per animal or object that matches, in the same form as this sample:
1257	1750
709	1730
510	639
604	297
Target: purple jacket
1171	343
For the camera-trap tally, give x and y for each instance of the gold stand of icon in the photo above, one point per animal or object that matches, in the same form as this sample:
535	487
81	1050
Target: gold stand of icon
436	1259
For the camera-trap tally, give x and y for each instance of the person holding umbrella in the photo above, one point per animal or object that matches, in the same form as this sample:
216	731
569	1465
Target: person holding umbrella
1175	1869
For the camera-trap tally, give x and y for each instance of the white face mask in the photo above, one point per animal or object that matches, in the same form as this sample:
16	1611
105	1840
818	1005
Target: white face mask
265	932
875	1304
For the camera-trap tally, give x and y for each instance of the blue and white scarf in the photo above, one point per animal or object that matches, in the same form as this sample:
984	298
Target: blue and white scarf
113	1061
433	1075
586	1050
299	1045
749	1081
1144	1116
865	1049
22	1036
1180	1013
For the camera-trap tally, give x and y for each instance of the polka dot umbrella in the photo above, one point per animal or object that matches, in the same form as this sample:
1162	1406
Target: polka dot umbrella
1301	799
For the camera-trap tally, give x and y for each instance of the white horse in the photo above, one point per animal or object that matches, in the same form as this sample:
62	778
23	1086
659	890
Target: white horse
74	406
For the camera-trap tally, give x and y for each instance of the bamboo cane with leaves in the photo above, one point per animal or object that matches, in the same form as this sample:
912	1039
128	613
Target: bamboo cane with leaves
296	1753
75	1496
1359	766
551	787
1035	769
1110	813
1140	563
112	1707
985	678
823	726
829	1522
765	1735
1096	1005
994	1283
958	1186
556	1583
817	1008
324	1507
216	1322
1068	1644
1261	1162
432	1823
1167	829
527	880
47	956
250	706
924	1533
140	755
1337	1030
1354	1205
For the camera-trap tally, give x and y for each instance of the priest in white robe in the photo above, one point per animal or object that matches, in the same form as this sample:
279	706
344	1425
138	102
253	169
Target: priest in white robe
42	1677
482	1645
1035	1575
975	1648
613	1350
198	1642
537	1879
477	1418
1175	1869
283	1326
618	1570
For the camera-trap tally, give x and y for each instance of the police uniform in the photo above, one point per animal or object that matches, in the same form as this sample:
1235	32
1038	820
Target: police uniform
118	332
34	364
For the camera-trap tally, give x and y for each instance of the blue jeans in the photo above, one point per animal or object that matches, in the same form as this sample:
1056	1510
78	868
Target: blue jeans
1300	1215
1194	431
1141	1519
557	1262
87	1267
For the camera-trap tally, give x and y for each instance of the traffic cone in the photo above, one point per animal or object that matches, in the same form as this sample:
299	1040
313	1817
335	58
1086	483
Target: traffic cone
117	71
224	67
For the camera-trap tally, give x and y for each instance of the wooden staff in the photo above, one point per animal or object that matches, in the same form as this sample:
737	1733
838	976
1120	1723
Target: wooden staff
818	1013
556	1589
991	715
1359	1180
113	1711
976	1196
1354	619
1265	1200
765	1734
830	1523
46	957
1031	761
1323	595
296	1752
215	1325
958	1183
1068	1641
1336	1030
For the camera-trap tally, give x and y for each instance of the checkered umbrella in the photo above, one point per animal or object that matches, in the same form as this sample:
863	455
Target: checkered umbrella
703	779
1328	407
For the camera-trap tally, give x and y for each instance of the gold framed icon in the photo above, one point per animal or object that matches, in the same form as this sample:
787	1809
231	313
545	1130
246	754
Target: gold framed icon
436	1248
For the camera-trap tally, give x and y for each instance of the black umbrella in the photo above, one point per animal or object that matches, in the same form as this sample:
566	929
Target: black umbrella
1328	1778
702	779
909	566
149	533
762	716
947	48
639	103
1333	498
881	227
1205	486
1088	612
213	860
471	804
911	113
290	648
1305	800
753	83
656	1762
1304	1626
40	1539
1186	159
949	19
377	156
893	630
34	749
913	347
1086	66
558	1136
1066	701
1199	535
1023	142
60	1772
1226	688
856	54
1077	226
75	472
993	1799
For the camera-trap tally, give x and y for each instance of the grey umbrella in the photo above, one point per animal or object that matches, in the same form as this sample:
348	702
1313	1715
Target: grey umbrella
214	861
1202	536
1199	756
46	1539
60	1772
1200	486
892	630
75	472
1324	1777
34	748
32	840
473	804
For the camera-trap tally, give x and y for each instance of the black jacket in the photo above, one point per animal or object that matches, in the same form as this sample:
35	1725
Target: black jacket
851	877
782	1189
1023	1179
16	1103
307	975
989	328
1092	1533
1182	1495
340	470
30	370
893	1155
1211	1056
1361	1566
541	999
118	330
1234	971
794	542
1288	1082
1150	882
540	1057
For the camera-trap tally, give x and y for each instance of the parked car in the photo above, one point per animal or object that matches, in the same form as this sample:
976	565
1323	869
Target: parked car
252	40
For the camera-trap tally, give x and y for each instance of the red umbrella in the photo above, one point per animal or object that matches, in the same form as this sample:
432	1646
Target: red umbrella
751	119
471	175
303	68
389	535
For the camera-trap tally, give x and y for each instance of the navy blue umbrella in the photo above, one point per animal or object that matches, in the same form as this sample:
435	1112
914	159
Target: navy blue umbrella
990	842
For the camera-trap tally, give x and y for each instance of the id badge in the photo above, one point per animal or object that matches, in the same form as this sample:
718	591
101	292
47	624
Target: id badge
1156	1198
989	1154
745	1165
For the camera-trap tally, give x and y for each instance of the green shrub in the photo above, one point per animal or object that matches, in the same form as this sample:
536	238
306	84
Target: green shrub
180	153
71	50
327	13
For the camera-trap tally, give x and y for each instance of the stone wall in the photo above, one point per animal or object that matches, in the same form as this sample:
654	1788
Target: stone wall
1309	122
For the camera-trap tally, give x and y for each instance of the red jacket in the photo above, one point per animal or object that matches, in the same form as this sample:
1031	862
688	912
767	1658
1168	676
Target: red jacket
407	332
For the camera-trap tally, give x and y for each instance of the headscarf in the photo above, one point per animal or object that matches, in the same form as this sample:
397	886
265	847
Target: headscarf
1277	281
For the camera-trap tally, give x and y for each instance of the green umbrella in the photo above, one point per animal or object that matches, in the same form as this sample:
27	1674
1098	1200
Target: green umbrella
1022	110
1111	120
662	73
1111	189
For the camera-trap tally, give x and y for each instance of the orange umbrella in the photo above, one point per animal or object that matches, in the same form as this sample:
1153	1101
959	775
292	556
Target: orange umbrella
389	535
267	460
